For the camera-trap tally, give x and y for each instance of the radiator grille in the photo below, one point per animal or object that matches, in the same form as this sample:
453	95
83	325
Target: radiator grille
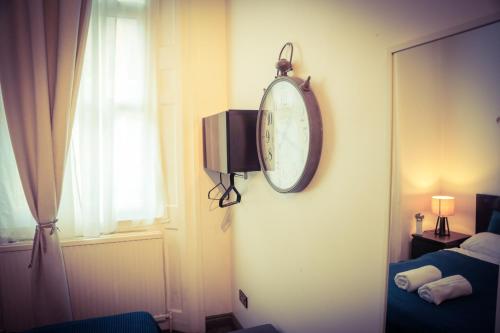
103	279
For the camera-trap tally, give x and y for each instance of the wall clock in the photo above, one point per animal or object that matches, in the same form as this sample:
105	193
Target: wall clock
289	130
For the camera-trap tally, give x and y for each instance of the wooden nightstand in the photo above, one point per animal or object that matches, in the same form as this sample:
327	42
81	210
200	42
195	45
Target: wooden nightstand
428	242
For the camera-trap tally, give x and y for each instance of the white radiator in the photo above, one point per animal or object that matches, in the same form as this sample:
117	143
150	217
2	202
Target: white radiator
106	276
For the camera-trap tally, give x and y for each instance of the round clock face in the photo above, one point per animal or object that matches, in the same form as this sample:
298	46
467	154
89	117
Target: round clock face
289	134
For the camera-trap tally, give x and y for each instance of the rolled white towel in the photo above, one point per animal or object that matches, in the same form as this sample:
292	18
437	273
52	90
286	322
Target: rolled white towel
448	288
411	280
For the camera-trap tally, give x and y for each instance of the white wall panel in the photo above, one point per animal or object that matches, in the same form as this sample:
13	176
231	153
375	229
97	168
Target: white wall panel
114	278
105	276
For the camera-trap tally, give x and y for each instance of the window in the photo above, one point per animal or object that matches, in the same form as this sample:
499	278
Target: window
113	171
116	172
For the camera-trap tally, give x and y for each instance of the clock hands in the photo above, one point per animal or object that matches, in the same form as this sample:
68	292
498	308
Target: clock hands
290	135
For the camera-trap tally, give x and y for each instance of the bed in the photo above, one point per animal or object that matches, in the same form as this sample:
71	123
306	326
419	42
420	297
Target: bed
407	312
133	322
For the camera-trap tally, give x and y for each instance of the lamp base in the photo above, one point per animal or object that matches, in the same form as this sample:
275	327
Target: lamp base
442	227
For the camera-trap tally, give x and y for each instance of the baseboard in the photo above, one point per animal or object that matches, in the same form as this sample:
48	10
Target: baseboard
222	320
236	322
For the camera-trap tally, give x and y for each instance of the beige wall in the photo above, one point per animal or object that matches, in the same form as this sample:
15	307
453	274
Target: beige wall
204	91
316	260
206	94
192	84
446	139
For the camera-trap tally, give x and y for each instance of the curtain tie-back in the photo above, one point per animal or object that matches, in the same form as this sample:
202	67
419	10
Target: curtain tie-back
39	240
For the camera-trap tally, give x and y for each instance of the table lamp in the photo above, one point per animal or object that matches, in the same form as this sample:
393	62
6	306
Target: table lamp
443	206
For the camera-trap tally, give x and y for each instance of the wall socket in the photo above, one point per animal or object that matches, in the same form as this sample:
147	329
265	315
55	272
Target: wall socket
243	299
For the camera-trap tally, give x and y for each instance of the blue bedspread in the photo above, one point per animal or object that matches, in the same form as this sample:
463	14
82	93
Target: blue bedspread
134	322
407	312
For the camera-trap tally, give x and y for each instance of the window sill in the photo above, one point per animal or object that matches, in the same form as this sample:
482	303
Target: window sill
82	241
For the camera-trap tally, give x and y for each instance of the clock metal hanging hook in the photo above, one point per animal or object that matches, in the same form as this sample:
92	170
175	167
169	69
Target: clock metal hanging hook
283	66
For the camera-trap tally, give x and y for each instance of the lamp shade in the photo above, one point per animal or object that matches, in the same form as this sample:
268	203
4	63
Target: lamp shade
443	205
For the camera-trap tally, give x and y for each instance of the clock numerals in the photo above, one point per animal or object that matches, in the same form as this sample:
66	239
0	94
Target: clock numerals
268	139
285	135
269	119
269	159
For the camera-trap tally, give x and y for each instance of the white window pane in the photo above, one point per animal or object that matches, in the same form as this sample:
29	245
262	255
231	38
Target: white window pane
135	178
132	2
129	63
128	168
16	221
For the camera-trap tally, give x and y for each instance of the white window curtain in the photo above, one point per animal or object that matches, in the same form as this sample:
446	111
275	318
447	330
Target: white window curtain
113	172
16	221
115	164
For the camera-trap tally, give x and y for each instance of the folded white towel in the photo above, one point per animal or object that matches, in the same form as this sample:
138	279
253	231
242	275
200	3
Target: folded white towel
411	280
450	287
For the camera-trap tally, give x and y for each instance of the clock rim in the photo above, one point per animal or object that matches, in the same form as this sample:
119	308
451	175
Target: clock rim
315	135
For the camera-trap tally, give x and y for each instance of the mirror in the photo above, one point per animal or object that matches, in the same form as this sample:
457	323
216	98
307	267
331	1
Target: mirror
446	141
446	138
